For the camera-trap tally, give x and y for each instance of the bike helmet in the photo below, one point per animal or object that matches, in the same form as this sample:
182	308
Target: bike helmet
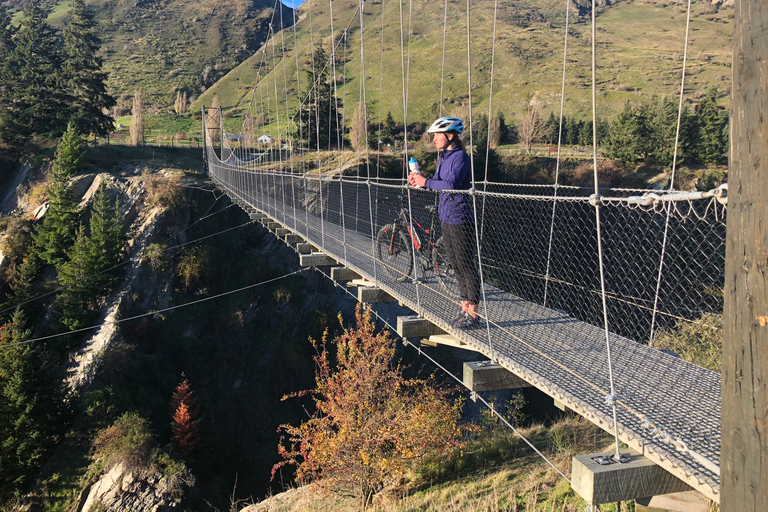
447	124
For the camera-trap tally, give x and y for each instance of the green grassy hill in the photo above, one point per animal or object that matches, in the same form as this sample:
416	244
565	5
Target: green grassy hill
163	46
640	52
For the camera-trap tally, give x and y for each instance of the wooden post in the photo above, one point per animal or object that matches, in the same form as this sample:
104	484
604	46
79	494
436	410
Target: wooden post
744	424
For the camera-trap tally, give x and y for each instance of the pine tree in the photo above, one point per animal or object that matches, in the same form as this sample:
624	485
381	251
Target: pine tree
319	116
626	144
107	237
7	30
185	411
713	129
81	287
34	101
389	129
85	80
33	406
57	232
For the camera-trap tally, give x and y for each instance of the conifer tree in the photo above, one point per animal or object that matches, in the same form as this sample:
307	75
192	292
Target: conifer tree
85	80
56	234
81	287
33	405
389	129
107	237
319	116
185	412
34	102
626	143
7	30
713	129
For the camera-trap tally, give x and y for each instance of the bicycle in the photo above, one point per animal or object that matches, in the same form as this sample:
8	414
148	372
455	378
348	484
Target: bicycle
396	245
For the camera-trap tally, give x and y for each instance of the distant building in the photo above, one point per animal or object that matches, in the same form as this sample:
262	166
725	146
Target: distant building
265	139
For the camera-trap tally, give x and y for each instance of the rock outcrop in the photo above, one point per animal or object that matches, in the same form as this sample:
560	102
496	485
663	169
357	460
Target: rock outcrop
125	491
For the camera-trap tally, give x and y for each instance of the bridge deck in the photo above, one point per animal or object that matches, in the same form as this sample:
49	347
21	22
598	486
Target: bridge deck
564	357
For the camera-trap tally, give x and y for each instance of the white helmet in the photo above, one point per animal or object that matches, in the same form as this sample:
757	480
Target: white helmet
447	124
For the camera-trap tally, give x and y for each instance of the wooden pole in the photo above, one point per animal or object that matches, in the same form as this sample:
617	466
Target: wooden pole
744	424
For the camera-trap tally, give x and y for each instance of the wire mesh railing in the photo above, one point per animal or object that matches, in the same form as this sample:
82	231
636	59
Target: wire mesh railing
543	304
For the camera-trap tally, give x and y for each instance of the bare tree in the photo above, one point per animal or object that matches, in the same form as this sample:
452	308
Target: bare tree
137	119
531	127
180	106
357	129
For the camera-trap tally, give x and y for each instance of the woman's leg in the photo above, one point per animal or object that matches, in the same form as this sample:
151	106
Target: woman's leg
460	245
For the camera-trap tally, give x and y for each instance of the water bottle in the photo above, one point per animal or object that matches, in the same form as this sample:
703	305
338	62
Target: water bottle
413	166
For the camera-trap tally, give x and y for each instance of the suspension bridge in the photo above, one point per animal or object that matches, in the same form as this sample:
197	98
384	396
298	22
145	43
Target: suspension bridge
577	284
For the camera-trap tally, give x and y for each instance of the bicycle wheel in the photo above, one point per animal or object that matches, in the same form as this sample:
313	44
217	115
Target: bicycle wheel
394	252
442	267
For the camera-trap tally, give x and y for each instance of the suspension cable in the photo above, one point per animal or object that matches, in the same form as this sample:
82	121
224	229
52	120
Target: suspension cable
610	399
559	145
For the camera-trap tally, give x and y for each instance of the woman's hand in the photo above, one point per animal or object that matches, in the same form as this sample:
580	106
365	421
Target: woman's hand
416	180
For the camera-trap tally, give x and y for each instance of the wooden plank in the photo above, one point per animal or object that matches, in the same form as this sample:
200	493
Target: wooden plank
256	215
744	456
292	238
560	405
273	225
415	326
281	232
361	282
305	248
691	501
443	339
489	376
343	274
371	294
316	259
639	477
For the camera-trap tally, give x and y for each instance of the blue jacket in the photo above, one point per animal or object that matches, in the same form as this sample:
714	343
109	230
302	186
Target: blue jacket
454	172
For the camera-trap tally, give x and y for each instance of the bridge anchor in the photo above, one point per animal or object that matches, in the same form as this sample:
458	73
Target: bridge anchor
596	479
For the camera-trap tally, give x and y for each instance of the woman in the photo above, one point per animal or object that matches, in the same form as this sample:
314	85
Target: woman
454	172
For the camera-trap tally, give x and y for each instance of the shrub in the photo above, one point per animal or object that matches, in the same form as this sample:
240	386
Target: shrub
128	442
699	342
163	191
193	266
372	425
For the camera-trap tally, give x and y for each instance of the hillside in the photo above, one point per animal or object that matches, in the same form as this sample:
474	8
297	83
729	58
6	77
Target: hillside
162	46
640	52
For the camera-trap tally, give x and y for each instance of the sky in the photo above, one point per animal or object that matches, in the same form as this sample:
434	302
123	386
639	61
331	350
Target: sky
293	3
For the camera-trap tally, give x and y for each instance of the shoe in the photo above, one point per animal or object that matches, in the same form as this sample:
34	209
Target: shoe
459	318
467	323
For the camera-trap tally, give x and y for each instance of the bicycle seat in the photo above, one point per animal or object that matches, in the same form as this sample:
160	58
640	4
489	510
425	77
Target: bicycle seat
431	208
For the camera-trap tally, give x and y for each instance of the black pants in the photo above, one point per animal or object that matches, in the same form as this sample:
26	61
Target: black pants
460	244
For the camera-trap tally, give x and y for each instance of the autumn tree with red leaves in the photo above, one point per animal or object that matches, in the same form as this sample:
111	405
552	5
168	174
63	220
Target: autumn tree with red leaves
184	409
371	425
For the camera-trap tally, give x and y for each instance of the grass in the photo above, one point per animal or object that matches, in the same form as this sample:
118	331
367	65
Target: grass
494	471
639	53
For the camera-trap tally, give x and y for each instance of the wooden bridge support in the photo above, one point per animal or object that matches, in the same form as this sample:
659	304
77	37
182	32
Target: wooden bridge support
305	248
443	339
744	457
316	259
415	326
489	376
343	274
372	294
691	501
637	478
293	239
281	232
